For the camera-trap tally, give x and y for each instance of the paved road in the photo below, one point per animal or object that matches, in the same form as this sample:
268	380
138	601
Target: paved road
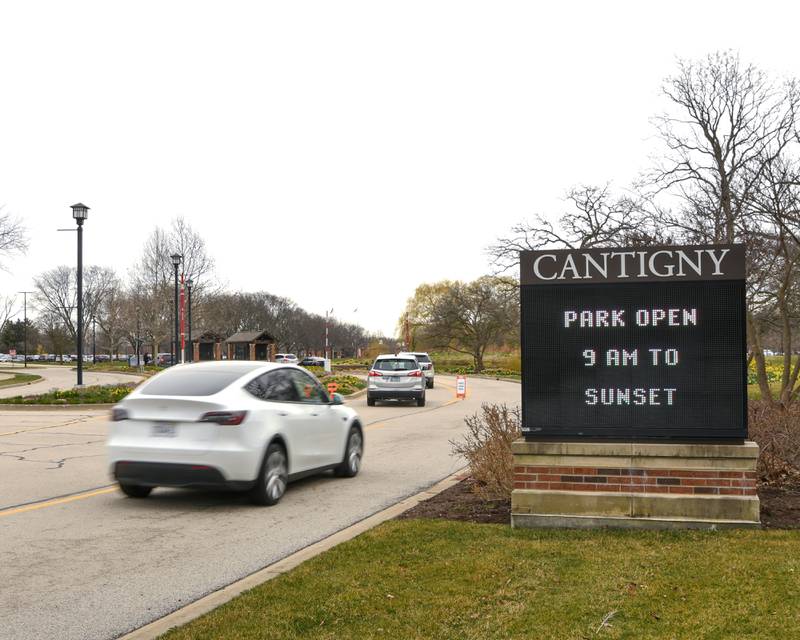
61	377
97	565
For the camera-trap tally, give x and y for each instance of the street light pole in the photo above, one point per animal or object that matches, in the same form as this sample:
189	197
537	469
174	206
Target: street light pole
176	261
189	284
25	324
80	212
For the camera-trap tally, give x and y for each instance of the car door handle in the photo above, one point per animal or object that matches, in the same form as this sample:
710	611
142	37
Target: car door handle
314	414
283	414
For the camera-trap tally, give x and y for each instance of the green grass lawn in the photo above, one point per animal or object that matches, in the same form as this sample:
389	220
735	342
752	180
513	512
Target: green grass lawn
19	378
439	579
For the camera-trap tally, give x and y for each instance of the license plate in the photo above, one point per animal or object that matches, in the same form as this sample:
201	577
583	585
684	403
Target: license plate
393	379
164	430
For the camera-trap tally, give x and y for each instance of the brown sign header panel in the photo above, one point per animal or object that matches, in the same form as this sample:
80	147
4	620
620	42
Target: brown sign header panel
690	263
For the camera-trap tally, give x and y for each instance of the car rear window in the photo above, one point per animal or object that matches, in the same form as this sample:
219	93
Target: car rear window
192	381
422	358
398	364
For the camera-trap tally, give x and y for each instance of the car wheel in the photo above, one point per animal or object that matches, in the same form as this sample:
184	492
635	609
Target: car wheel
135	490
430	383
353	453
273	477
421	400
370	402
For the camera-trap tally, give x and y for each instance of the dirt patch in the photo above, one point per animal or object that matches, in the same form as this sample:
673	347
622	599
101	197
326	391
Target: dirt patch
780	507
459	502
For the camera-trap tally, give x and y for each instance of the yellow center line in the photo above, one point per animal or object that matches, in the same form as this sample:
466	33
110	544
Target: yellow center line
56	501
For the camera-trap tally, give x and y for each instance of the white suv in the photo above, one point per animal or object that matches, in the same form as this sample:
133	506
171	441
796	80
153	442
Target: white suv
425	363
396	377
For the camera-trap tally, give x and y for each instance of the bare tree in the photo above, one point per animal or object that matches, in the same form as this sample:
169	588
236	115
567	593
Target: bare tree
728	138
597	219
56	293
152	278
8	308
728	120
13	236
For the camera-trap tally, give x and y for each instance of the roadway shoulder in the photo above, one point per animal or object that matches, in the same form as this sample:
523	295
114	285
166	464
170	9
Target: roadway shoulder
217	598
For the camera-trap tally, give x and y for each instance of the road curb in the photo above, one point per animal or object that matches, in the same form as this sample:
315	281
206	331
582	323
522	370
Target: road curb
357	394
217	598
468	375
22	384
51	407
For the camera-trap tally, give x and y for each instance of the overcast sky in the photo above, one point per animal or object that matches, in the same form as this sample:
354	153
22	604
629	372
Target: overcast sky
338	153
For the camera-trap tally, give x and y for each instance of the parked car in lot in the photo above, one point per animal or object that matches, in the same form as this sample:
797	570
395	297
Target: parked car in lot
252	426
164	360
425	363
289	358
312	361
396	377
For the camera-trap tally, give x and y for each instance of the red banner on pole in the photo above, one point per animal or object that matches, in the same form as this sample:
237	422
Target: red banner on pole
182	320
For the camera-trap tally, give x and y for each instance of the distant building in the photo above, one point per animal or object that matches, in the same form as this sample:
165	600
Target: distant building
206	345
250	345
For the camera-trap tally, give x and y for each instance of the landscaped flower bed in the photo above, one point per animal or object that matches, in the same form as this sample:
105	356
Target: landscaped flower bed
97	394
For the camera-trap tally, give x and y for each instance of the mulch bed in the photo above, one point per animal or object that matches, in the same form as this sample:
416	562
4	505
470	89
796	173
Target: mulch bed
780	507
460	502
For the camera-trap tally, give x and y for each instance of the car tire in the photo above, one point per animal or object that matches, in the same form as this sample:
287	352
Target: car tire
135	490
273	477
421	401
430	383
370	402
353	452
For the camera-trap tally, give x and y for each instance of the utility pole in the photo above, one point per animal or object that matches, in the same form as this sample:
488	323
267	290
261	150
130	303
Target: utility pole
138	343
25	323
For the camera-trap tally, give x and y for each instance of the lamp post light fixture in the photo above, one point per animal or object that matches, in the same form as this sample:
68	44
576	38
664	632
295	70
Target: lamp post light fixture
189	284
176	262
80	212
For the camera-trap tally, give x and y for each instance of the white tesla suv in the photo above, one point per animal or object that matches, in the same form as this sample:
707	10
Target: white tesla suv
252	426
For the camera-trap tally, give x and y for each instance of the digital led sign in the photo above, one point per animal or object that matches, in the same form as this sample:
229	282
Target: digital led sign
634	344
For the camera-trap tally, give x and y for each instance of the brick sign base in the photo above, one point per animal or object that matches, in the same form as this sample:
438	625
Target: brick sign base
635	485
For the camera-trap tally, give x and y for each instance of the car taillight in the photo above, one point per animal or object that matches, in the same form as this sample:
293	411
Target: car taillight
414	374
118	413
375	374
226	418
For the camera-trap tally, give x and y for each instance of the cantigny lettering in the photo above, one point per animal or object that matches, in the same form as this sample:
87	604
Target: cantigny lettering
664	263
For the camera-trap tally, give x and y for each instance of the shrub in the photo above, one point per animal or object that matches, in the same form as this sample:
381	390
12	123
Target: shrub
487	449
777	432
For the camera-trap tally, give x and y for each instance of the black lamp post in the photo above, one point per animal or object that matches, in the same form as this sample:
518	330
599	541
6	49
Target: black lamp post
176	262
94	340
189	284
80	212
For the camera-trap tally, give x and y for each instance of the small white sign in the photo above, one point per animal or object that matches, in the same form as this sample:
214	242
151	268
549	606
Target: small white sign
461	387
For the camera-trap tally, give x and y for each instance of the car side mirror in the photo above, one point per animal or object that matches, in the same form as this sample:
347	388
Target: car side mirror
337	398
